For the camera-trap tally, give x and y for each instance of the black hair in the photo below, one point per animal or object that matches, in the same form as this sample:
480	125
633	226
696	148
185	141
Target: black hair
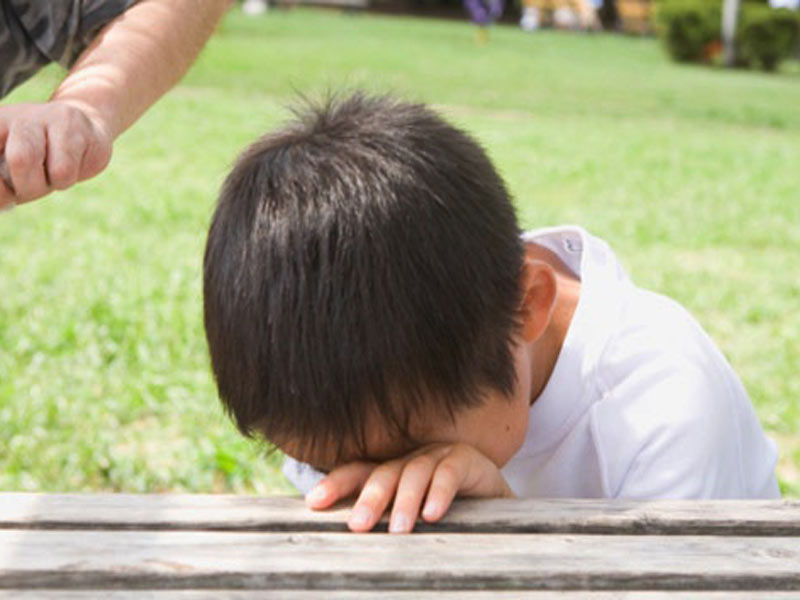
363	259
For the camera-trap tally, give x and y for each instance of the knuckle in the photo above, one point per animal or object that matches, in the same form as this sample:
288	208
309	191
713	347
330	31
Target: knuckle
357	467
373	493
340	471
448	469
63	174
350	470
422	463
387	470
460	452
73	149
20	156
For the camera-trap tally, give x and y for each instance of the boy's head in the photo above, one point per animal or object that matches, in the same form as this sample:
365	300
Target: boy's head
361	273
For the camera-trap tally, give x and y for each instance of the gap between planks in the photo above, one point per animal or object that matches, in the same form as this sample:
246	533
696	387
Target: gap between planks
384	595
284	513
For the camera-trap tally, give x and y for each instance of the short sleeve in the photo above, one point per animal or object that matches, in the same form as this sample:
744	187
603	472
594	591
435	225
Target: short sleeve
33	34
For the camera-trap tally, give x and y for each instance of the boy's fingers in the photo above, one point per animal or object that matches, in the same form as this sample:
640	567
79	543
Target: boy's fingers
446	482
411	490
340	483
375	496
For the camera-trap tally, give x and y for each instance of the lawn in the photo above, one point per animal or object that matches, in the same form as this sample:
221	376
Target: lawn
691	173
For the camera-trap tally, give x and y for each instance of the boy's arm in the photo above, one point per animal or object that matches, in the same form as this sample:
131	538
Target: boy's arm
127	67
435	474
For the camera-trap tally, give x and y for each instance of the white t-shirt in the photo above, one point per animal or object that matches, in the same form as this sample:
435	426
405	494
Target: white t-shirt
789	4
640	404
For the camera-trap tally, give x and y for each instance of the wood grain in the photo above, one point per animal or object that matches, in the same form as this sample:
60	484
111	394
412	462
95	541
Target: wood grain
384	595
31	558
242	513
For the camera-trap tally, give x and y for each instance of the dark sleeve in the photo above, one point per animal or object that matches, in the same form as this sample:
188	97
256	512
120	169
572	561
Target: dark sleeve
34	33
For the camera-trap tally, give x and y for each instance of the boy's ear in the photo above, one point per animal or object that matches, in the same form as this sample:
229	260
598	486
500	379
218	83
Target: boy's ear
538	281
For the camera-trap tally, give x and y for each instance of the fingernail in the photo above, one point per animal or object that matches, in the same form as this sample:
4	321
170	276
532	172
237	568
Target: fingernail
360	516
431	510
400	524
317	494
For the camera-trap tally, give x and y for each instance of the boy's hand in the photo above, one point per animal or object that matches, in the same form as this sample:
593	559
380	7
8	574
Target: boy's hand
435	473
49	146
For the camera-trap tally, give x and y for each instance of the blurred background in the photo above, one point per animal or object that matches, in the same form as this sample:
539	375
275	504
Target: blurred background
618	115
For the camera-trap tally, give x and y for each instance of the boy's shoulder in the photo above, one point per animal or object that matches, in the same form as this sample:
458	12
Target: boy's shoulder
655	334
619	328
688	425
668	415
622	329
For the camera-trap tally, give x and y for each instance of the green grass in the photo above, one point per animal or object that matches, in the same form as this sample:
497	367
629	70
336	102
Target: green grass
691	173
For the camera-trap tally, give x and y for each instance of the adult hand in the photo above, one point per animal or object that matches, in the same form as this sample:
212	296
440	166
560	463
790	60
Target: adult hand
48	147
435	473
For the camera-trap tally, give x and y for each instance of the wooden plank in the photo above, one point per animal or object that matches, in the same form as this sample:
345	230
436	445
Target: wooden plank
357	4
385	595
340	561
244	513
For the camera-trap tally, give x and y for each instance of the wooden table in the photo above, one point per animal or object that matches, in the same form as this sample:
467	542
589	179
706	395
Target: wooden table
236	547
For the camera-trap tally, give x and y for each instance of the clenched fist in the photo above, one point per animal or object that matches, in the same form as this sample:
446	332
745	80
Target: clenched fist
49	146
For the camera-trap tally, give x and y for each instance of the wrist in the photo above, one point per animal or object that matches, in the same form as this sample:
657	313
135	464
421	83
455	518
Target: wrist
102	121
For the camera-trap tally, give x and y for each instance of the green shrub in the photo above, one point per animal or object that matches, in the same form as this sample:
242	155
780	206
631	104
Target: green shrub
689	28
766	36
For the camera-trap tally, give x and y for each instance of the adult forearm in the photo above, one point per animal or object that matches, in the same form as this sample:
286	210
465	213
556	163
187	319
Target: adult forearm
137	58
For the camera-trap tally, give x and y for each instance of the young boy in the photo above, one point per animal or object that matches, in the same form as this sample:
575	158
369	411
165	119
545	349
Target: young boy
373	310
